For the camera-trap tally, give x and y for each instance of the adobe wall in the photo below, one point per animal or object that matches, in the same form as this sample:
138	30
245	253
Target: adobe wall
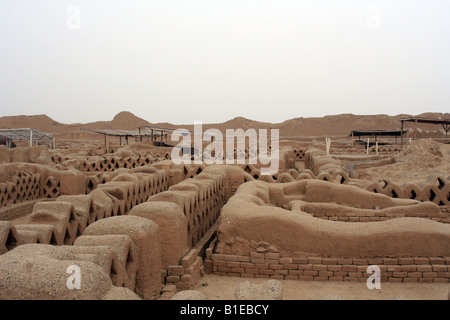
147	227
61	221
138	244
33	154
256	215
21	182
24	274
322	167
436	189
270	265
336	212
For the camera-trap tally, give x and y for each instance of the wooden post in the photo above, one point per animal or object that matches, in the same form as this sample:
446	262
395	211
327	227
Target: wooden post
153	137
162	134
401	134
368	139
54	143
31	137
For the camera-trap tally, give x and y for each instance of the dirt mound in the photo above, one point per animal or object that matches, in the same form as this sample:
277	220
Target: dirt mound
40	122
415	164
425	148
126	120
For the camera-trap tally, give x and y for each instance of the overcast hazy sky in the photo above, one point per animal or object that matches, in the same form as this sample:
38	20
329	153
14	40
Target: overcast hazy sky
181	61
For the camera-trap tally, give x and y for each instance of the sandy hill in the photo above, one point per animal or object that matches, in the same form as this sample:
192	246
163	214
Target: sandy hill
40	122
329	125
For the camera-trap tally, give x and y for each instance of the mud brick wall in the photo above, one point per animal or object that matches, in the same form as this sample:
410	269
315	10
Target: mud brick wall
12	212
157	182
270	265
126	248
114	163
320	166
51	187
200	199
25	181
110	163
186	275
38	182
299	153
317	166
436	189
116	254
22	187
93	180
348	158
60	222
443	217
9	239
325	167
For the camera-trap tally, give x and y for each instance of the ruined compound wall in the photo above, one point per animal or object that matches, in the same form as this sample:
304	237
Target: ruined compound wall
106	163
186	214
200	199
118	258
322	167
334	212
24	182
33	154
95	231
111	163
436	189
129	242
271	265
183	171
22	187
325	167
317	166
25	271
21	182
255	217
61	221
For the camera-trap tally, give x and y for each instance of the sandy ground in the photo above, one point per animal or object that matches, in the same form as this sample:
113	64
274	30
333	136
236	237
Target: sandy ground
223	288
